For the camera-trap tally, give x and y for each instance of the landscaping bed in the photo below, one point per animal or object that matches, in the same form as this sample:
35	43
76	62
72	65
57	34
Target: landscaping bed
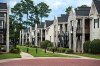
41	53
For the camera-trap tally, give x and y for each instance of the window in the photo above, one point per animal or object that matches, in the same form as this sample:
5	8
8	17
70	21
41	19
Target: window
96	23
1	38
1	23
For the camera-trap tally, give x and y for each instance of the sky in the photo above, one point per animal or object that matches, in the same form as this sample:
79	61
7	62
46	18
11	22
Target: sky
58	6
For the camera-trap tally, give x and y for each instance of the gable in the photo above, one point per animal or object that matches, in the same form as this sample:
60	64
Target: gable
93	11
97	5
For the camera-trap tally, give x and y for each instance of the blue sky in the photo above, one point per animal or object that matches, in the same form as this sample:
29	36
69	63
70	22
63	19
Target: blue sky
58	6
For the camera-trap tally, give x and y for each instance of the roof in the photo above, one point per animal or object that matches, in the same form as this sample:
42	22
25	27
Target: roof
82	11
3	5
1	15
49	22
97	4
63	18
40	25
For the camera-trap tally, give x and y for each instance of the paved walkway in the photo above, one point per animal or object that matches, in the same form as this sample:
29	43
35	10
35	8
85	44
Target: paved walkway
26	55
80	57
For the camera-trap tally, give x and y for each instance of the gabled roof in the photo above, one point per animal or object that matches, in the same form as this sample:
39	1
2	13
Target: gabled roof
40	25
97	5
48	22
63	18
82	11
3	5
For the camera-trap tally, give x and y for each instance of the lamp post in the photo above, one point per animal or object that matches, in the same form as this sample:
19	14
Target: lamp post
15	38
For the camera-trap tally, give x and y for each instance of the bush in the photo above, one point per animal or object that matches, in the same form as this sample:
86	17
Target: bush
95	46
52	48
86	46
46	44
28	44
61	50
15	50
69	51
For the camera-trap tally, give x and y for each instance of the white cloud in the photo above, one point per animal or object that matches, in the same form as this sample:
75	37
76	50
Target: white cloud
57	6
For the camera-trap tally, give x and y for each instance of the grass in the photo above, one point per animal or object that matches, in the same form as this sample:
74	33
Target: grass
90	55
41	53
9	56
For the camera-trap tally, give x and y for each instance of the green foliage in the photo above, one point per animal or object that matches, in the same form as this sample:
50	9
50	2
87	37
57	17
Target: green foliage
43	9
61	50
83	6
46	44
95	46
15	50
28	44
52	49
68	9
86	46
69	51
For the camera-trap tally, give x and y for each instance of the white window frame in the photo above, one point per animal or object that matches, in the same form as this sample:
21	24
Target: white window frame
1	26
1	36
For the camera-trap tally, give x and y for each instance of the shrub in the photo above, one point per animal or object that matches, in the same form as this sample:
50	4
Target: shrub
46	44
52	48
15	50
69	51
61	50
86	46
95	46
28	44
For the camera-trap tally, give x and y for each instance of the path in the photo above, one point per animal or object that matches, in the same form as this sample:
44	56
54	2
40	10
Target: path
26	55
80	57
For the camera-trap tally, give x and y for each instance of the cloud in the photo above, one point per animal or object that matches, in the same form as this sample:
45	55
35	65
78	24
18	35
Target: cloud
58	6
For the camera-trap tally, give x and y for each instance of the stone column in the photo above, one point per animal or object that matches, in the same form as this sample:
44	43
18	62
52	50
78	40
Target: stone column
69	29
91	28
30	34
41	35
22	37
83	33
35	34
56	33
26	36
7	33
64	28
74	36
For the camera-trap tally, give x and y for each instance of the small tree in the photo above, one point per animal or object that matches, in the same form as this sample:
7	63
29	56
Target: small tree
46	44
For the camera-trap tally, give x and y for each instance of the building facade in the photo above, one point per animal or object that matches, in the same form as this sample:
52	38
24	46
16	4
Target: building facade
71	30
4	27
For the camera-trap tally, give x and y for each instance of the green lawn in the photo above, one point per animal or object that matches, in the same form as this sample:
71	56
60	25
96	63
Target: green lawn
41	53
9	55
90	55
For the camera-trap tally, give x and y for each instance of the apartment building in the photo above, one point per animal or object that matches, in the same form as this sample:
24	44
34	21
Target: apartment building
4	27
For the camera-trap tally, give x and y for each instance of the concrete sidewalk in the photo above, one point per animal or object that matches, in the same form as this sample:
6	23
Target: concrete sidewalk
26	55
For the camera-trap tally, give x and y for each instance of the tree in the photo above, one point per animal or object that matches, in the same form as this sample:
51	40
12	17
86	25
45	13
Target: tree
43	9
68	9
27	6
83	6
17	12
